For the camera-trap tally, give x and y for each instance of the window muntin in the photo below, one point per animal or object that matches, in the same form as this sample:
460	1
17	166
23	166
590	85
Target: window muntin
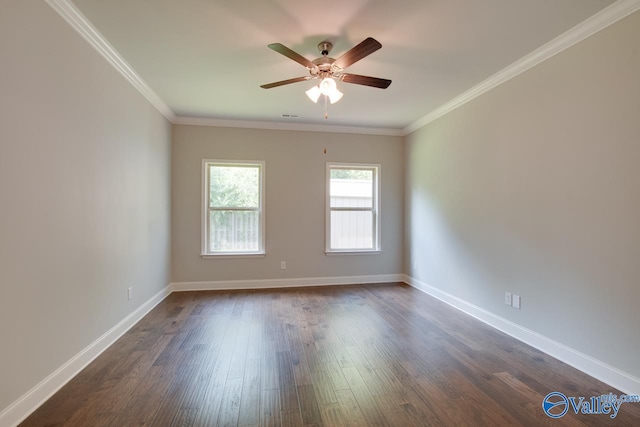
233	220
352	207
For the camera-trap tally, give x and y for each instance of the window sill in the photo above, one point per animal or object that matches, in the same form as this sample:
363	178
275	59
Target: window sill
367	252
232	255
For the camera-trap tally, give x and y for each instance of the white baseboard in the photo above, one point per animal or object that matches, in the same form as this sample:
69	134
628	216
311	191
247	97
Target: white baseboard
608	374
34	398
284	283
30	401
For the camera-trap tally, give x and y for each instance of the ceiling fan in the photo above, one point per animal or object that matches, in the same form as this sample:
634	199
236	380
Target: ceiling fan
328	69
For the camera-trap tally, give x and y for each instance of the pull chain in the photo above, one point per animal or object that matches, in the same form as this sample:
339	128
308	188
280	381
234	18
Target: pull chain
326	114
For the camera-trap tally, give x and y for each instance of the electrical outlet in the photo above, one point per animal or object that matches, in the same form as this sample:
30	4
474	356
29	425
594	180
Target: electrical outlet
283	265
507	298
129	293
516	301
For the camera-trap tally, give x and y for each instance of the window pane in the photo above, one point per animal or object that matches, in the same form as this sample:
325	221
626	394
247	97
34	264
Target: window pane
234	186
234	231
351	230
351	188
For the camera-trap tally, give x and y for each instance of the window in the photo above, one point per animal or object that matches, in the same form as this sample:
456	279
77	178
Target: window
233	214
352	208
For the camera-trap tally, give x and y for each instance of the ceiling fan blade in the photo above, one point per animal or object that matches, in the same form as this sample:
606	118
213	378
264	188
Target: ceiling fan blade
365	48
285	82
365	80
283	50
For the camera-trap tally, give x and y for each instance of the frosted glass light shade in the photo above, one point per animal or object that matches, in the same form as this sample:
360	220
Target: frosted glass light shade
314	93
335	96
327	86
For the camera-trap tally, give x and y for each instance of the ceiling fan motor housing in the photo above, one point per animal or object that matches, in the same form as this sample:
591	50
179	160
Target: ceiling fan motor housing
324	63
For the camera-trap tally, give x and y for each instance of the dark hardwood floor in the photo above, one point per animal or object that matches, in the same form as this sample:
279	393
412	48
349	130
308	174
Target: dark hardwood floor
362	355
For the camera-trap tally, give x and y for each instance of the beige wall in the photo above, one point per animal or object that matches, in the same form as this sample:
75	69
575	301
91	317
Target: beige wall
295	197
84	196
534	188
531	188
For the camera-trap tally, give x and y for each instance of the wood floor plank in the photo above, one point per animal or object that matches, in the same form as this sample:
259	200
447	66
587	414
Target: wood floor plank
370	409
269	372
178	389
530	396
209	411
301	370
230	406
250	403
360	355
394	412
291	418
338	381
323	388
349	408
332	415
286	382
270	408
309	408
147	398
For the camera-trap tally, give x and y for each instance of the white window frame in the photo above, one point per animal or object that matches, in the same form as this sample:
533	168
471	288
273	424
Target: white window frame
375	208
205	235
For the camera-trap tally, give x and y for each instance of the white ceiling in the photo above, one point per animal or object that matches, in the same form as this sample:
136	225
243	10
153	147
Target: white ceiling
208	58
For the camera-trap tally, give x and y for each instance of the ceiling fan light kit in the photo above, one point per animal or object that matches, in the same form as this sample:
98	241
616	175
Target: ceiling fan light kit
328	88
329	70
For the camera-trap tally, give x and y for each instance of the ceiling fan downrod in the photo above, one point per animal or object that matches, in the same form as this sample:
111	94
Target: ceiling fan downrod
325	47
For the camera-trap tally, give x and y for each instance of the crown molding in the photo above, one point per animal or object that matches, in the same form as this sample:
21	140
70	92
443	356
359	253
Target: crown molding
305	127
70	13
588	27
606	17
